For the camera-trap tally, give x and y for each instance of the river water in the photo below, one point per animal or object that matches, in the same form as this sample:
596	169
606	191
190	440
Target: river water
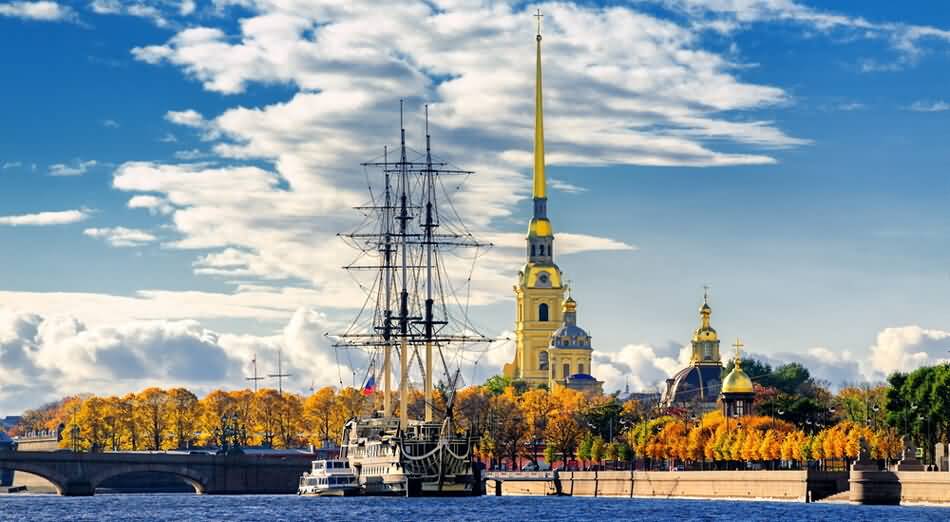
187	507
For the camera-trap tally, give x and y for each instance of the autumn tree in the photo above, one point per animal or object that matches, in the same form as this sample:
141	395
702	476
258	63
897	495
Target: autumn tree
152	414
319	415
183	413
216	410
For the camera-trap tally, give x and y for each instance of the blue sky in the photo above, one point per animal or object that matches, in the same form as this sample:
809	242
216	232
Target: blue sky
791	155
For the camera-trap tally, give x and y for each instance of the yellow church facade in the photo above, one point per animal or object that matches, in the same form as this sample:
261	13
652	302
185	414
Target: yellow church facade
550	349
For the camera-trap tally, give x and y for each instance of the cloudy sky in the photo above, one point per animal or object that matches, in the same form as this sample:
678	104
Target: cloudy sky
174	173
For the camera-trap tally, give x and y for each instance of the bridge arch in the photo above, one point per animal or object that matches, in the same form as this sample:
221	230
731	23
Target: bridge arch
46	472
191	477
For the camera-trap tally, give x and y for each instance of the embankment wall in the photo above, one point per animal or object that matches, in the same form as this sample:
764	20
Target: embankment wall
800	486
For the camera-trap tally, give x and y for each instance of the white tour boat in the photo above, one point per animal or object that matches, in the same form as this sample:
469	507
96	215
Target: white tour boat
329	478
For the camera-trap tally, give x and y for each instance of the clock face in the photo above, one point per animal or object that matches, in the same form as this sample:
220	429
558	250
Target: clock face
544	280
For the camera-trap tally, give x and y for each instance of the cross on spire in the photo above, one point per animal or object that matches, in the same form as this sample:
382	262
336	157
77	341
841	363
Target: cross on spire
705	294
255	377
539	16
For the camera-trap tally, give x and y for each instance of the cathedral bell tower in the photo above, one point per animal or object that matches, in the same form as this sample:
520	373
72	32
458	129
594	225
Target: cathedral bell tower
539	292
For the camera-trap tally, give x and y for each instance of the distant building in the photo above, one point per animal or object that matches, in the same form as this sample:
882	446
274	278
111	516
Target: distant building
698	385
7	423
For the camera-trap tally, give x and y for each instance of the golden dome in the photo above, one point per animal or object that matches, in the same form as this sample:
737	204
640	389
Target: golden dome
737	382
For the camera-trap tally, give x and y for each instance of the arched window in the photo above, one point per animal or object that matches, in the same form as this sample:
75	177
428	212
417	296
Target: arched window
543	312
567	370
542	249
543	360
580	368
532	250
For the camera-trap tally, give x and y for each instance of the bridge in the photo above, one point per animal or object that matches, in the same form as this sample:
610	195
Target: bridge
79	474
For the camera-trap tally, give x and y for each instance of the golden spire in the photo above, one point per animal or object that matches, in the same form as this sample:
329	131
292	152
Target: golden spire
738	345
539	188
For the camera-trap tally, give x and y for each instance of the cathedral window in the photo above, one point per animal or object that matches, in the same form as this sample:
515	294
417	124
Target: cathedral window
580	368
543	361
532	250
543	312
542	249
567	370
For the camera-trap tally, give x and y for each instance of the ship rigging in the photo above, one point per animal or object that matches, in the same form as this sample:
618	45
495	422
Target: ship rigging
411	243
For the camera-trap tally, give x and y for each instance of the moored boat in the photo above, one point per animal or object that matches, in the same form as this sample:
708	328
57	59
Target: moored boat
328	478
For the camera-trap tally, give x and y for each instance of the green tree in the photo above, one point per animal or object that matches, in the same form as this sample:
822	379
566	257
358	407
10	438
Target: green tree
496	384
597	450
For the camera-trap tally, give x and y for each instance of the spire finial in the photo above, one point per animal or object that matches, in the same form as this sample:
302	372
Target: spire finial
705	294
539	16
738	346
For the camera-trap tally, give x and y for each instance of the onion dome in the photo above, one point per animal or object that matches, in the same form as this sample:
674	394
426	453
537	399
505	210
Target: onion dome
569	335
737	381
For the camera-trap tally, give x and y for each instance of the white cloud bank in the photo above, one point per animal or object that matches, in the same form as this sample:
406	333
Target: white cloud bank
43	11
62	217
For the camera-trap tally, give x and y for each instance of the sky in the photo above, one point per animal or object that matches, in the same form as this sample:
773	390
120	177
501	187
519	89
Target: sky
174	174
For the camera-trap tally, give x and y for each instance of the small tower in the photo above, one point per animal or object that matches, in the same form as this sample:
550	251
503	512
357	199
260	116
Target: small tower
569	355
737	390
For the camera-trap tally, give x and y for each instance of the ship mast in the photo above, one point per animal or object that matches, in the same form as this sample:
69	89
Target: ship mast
404	272
387	274
429	225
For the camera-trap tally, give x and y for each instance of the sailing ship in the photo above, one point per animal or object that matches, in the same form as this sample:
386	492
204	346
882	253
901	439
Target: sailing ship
412	308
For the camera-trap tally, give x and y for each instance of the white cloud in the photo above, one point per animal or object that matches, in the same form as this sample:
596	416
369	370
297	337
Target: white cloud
168	138
906	39
121	236
139	9
63	217
77	168
40	11
112	124
929	106
644	368
191	154
153	204
55	355
906	348
565	187
11	165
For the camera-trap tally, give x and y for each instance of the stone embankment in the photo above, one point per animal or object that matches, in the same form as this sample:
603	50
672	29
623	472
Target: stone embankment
860	486
801	486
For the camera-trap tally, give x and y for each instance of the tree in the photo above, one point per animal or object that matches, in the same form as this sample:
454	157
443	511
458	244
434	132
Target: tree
318	414
128	411
152	416
266	410
289	420
597	450
510	430
562	434
496	384
92	424
584	448
216	410
183	413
